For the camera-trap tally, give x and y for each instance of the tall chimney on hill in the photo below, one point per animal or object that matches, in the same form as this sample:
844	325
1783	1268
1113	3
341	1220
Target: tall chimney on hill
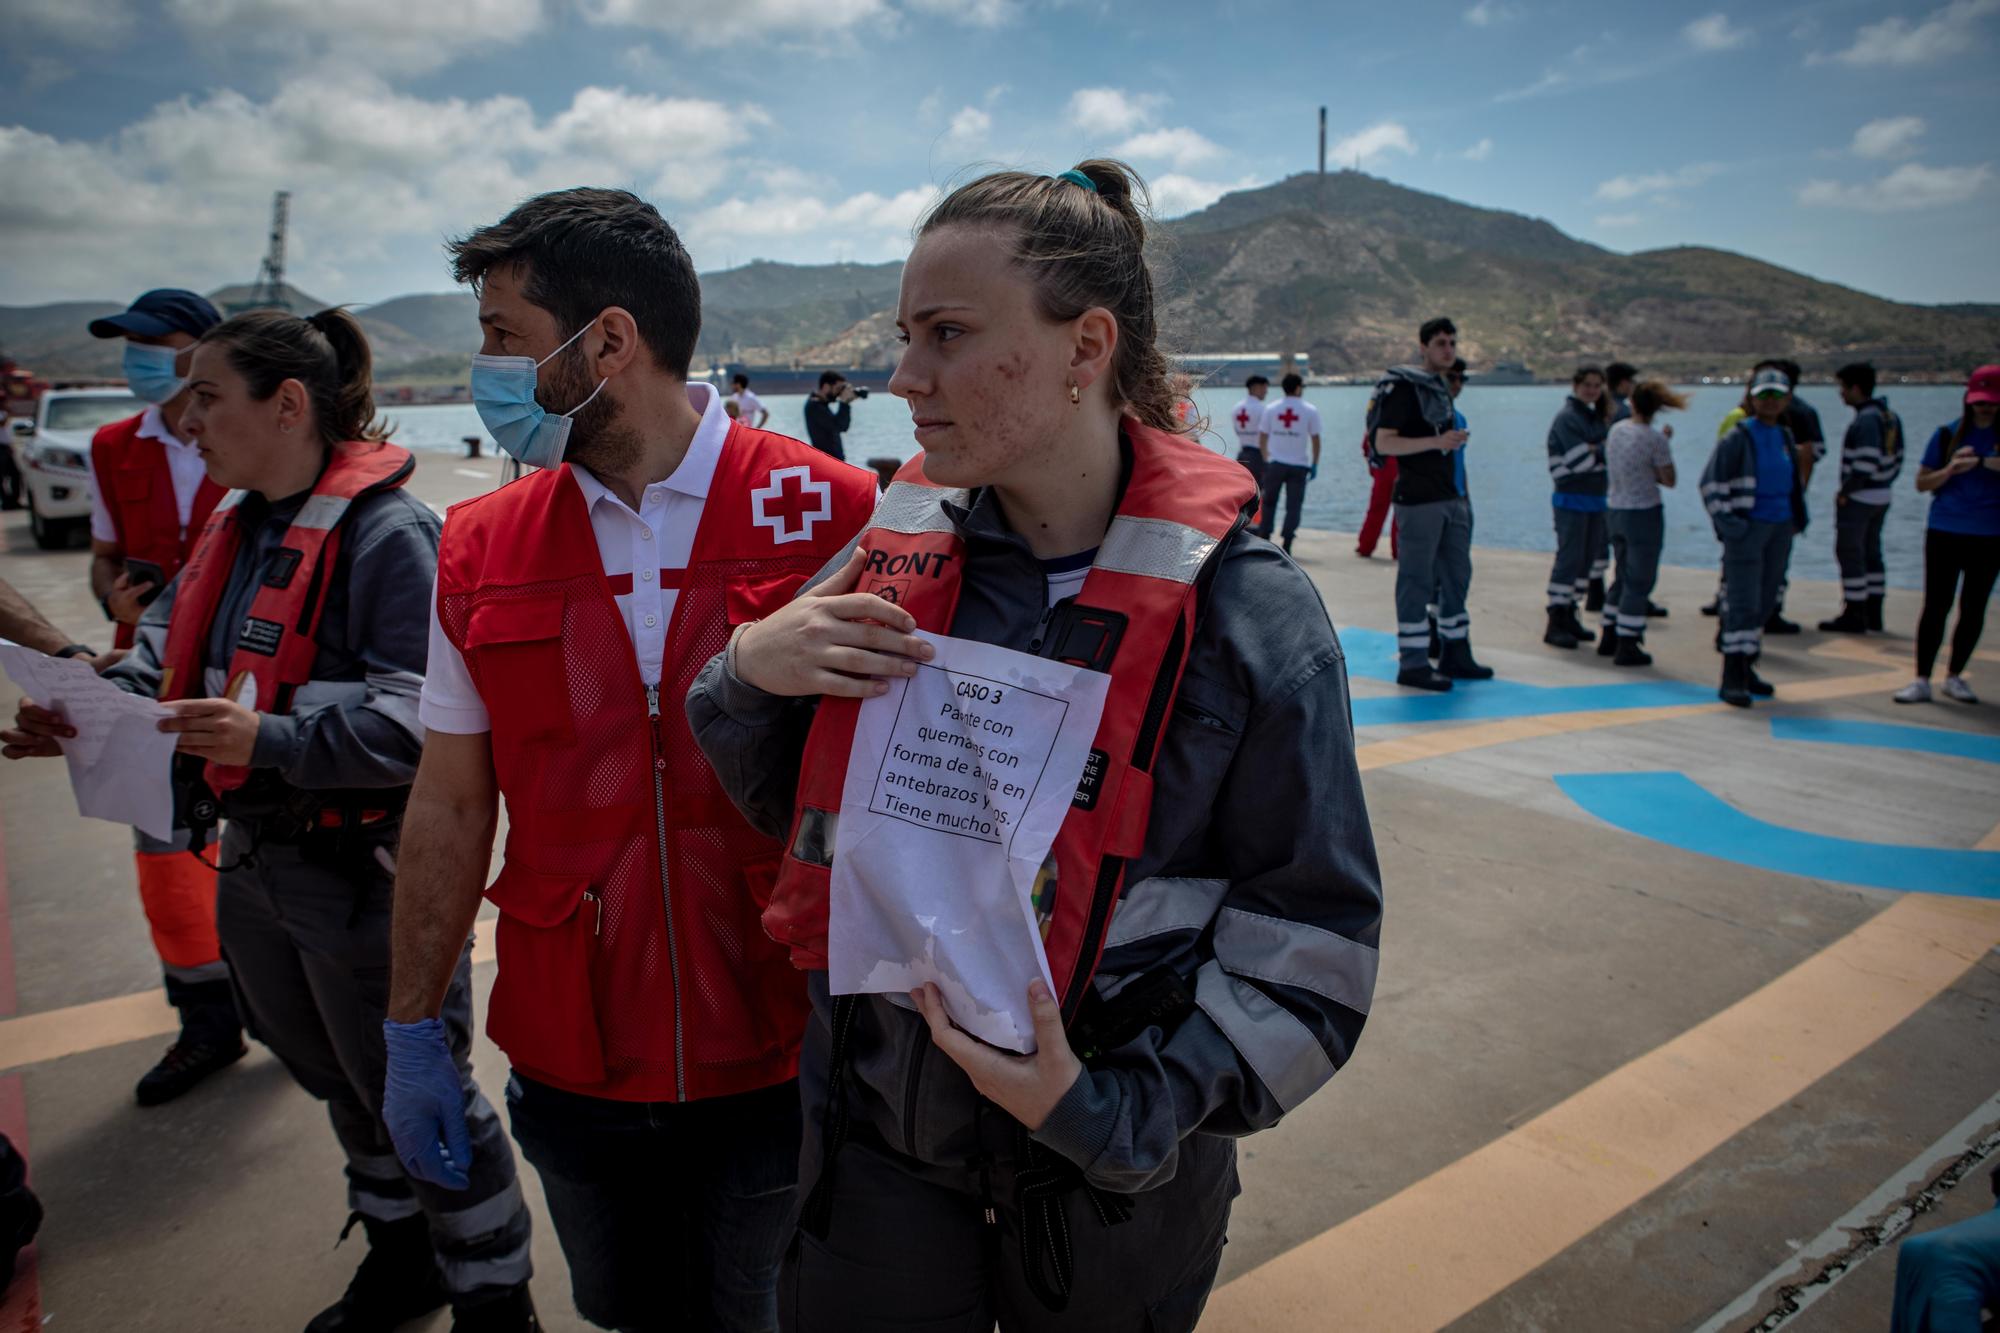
1322	141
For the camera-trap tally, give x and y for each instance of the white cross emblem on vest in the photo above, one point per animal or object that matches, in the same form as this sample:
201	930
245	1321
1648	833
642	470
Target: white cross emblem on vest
789	495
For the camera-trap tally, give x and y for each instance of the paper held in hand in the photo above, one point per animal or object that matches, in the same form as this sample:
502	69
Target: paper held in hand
957	783
120	762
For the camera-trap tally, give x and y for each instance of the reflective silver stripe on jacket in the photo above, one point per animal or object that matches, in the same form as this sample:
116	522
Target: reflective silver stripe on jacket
1293	953
1154	548
321	511
913	510
229	500
1161	905
1287	1058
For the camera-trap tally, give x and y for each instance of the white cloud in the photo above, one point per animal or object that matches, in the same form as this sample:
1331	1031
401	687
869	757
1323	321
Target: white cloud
788	222
79	22
1619	219
1108	111
376	177
1365	146
969	127
1714	32
1174	194
1620	188
1908	188
1487	13
1182	147
1479	152
1548	83
1888	138
388	35
1896	41
701	24
973	13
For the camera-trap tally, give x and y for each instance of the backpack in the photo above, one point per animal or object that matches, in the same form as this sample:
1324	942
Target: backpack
1372	418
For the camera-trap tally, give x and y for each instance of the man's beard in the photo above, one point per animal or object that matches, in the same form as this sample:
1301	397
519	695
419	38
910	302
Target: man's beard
597	439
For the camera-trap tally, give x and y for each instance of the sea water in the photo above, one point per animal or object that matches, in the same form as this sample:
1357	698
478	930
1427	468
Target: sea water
1506	463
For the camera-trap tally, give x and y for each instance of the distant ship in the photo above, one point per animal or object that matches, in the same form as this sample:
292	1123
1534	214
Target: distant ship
1503	372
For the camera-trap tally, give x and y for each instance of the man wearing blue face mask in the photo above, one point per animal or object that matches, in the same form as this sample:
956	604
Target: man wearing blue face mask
150	498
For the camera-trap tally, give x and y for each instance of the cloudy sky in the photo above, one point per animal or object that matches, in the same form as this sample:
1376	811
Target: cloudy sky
140	140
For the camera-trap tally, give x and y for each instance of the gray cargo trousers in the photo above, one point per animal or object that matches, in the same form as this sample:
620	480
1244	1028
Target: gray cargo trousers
307	942
1433	566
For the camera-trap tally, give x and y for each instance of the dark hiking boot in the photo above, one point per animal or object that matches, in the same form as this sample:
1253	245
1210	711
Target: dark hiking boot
1735	689
1455	660
509	1310
1607	643
1851	620
1755	683
1631	653
1583	633
1714	608
1872	612
398	1280
186	1063
1593	597
1655	611
1777	624
1423	678
1558	634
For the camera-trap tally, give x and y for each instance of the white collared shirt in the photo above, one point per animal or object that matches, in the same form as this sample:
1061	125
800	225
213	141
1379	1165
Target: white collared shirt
183	464
634	547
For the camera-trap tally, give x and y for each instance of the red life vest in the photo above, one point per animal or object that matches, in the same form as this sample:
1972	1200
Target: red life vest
631	962
1135	617
137	487
274	652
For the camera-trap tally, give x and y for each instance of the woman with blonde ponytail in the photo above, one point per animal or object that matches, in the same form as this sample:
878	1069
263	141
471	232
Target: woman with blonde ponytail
1210	921
291	650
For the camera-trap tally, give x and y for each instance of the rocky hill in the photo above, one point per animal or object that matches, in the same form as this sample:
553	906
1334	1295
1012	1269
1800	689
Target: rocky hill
1340	268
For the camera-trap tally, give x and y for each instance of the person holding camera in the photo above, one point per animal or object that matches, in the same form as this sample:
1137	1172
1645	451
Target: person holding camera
829	412
150	497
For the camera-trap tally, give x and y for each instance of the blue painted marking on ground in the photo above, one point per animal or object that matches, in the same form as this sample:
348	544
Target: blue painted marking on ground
1671	808
1887	736
1371	655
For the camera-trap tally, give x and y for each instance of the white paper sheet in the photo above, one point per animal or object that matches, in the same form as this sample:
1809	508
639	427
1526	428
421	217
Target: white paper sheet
120	762
957	783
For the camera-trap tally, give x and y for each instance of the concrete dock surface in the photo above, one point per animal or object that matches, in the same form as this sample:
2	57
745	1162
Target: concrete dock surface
1679	1003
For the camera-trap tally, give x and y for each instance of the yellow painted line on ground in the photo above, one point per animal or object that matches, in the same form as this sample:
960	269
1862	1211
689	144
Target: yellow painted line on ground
54	1033
1455	1239
1989	843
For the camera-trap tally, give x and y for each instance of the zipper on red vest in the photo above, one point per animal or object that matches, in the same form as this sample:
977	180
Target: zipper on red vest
666	890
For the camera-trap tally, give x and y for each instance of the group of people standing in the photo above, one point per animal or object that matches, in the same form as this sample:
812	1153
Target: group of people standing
651	648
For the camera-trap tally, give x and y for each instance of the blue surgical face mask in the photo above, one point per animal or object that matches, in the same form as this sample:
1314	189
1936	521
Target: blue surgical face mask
149	371
503	389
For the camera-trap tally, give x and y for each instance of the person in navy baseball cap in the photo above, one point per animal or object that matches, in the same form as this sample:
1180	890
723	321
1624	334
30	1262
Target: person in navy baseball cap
150	498
163	311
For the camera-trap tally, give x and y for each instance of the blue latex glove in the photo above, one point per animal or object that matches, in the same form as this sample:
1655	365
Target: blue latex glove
1313	473
423	1104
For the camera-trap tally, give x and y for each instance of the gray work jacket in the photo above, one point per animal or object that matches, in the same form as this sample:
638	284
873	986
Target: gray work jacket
1258	883
354	724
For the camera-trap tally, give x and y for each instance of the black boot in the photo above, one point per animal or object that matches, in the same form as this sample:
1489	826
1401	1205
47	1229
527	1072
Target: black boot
1425	677
1455	660
1607	643
1872	612
1777	624
1593	597
1714	608
1583	633
1656	611
186	1063
1755	683
1558	634
1631	653
1851	620
1735	689
509	1310
398	1279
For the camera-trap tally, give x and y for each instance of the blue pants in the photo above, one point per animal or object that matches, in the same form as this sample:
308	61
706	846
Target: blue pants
1289	478
672	1215
1945	1277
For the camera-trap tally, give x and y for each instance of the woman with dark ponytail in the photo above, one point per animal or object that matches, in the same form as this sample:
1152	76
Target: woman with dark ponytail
290	649
1210	920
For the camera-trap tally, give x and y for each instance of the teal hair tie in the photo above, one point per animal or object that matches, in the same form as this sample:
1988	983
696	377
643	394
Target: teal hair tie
1075	177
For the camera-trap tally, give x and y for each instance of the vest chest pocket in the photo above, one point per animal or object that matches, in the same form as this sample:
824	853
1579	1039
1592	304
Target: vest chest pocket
514	648
542	1011
754	598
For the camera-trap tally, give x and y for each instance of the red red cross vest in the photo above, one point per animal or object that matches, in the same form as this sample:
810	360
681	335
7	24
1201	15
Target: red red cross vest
1135	616
274	652
632	965
131	474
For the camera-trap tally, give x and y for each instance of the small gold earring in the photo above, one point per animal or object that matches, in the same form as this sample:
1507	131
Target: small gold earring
1075	395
